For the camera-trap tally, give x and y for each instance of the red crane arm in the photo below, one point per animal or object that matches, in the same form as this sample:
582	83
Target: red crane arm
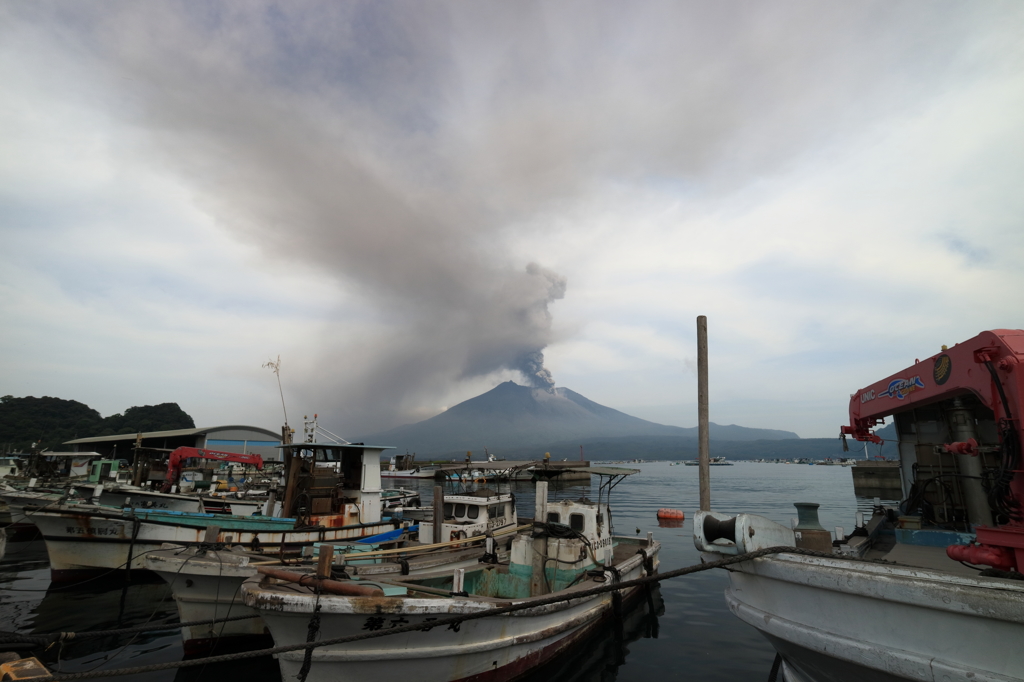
991	366
177	456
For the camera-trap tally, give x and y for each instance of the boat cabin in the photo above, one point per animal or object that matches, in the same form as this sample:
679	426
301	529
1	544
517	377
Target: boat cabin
574	537
110	470
472	514
9	466
404	462
331	484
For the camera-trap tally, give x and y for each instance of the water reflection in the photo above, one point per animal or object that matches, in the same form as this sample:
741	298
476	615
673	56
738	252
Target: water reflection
600	656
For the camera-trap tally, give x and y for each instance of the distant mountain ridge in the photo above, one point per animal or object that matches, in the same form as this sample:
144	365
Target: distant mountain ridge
48	422
514	417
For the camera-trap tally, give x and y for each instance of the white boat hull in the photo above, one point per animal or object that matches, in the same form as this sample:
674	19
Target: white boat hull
838	620
89	541
205	590
408	474
208	588
501	647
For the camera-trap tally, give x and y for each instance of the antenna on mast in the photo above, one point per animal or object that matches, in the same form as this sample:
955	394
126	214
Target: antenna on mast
275	365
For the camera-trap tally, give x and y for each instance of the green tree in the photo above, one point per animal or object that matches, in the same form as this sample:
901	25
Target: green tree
49	422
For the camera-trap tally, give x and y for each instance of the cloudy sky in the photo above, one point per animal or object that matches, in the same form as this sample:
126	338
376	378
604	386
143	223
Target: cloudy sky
410	202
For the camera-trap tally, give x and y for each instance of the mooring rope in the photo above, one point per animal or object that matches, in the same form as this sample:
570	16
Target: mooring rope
451	620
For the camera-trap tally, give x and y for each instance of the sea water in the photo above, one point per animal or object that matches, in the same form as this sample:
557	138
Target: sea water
690	635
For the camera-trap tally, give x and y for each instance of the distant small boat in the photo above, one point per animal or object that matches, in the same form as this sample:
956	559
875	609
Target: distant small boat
404	466
715	462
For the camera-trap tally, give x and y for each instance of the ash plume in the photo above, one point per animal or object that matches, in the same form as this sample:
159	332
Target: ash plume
532	367
405	151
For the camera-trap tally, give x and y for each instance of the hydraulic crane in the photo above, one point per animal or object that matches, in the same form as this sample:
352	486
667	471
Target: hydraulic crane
174	461
958	419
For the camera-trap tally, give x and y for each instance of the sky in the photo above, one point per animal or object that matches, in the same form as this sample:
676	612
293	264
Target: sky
409	202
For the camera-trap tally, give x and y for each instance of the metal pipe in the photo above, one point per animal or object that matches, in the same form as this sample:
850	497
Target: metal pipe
350	589
961	428
703	456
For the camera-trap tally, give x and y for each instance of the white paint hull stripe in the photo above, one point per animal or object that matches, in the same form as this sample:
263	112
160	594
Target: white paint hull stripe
325	654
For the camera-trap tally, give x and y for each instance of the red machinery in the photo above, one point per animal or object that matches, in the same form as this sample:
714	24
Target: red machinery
174	462
958	415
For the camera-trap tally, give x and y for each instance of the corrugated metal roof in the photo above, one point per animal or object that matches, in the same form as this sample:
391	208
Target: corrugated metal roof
72	454
320	446
171	434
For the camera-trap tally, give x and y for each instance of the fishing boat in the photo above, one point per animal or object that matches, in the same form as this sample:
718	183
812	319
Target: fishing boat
332	492
929	590
404	466
205	581
110	483
713	461
394	498
570	549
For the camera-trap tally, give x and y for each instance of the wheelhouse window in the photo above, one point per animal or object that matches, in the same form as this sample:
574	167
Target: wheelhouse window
460	510
472	511
554	517
577	522
449	508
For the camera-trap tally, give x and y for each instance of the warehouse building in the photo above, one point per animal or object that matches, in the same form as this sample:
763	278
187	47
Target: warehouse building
234	438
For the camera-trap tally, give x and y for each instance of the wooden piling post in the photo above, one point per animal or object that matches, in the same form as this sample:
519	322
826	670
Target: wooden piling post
326	558
539	559
438	513
703	454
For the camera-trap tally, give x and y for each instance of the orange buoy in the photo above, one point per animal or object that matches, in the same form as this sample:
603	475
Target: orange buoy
671	514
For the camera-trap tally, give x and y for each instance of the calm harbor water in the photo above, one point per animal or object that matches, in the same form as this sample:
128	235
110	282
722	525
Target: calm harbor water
691	632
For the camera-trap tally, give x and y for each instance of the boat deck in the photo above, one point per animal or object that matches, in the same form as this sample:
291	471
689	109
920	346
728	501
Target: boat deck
625	548
918	556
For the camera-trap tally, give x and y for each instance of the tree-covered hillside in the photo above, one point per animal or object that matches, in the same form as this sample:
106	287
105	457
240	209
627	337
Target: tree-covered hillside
49	422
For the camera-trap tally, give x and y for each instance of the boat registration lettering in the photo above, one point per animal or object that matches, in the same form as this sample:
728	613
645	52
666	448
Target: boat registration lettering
78	530
494	523
377	623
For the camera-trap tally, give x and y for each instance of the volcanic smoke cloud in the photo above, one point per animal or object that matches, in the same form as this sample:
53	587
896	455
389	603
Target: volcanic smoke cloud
401	148
322	137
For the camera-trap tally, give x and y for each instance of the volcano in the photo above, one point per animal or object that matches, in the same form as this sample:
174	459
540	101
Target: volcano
511	417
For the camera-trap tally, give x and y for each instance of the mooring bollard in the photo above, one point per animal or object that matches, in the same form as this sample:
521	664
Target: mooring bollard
810	534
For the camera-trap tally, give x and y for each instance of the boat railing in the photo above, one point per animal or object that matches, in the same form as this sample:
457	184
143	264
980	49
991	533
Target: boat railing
426	549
